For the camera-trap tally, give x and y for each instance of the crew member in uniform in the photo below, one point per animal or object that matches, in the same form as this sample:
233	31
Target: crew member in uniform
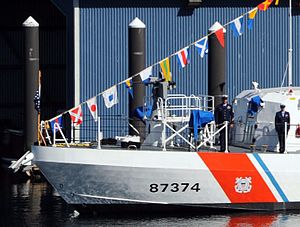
223	112
281	117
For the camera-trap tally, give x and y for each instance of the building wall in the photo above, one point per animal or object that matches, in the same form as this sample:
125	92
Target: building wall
259	54
52	28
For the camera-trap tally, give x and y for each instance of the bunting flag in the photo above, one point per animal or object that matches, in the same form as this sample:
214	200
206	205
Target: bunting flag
92	104
237	26
202	46
251	16
165	67
57	120
182	57
145	74
129	86
265	5
76	115
220	36
110	97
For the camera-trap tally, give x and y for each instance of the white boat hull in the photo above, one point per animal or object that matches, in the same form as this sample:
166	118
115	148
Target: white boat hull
135	177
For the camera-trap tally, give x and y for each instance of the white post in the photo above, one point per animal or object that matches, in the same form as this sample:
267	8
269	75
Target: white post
72	132
43	126
54	135
226	136
57	128
290	78
99	135
285	136
163	120
163	136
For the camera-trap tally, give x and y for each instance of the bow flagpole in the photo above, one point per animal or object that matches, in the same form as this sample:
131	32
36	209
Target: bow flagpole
39	112
290	78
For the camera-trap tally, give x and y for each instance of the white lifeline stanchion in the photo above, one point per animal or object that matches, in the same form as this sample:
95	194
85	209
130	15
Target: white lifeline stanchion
72	132
285	137
54	136
208	136
99	135
211	137
163	136
226	136
57	127
43	127
163	121
41	135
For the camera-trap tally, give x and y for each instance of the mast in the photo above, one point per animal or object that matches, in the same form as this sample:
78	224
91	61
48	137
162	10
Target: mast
290	76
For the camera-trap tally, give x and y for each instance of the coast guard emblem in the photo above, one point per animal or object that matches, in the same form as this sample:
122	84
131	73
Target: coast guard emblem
243	185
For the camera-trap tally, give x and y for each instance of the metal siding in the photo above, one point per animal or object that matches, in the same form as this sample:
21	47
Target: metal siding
53	53
11	96
11	93
52	59
259	54
53	69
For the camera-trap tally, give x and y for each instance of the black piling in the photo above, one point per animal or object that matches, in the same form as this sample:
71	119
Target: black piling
216	64
31	31
137	62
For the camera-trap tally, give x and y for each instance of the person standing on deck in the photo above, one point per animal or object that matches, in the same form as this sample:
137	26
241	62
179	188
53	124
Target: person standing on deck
224	112
281	117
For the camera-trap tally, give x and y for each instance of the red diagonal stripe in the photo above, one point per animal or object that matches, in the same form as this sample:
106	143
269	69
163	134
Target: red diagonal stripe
226	168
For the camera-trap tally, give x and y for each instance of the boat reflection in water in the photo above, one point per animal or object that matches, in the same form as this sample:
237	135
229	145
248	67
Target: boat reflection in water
254	220
24	202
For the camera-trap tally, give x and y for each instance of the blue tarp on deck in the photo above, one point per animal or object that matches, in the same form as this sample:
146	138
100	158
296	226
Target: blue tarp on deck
254	105
141	112
199	118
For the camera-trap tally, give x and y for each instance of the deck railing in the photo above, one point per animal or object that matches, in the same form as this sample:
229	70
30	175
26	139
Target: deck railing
174	114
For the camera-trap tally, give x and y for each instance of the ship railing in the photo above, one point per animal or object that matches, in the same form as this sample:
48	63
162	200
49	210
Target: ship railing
292	137
182	106
43	131
106	128
90	133
207	136
44	134
179	107
263	136
175	112
285	136
56	129
211	137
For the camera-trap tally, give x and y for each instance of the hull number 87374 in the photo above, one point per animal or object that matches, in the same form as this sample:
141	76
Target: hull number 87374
174	187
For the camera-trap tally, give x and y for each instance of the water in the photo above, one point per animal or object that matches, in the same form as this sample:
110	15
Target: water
26	203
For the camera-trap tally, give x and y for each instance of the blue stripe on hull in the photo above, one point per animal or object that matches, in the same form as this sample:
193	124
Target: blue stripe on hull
271	177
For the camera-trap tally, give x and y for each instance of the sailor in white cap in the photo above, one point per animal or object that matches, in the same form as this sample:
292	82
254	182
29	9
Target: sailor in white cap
281	117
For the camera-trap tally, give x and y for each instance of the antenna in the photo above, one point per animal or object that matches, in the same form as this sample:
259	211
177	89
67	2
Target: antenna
290	76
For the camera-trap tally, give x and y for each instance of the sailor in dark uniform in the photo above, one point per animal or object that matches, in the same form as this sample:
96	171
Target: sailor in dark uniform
280	118
223	112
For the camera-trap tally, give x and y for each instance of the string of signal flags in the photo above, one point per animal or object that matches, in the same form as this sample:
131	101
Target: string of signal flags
110	95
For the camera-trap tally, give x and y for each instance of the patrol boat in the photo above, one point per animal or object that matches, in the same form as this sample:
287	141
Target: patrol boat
190	174
177	165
